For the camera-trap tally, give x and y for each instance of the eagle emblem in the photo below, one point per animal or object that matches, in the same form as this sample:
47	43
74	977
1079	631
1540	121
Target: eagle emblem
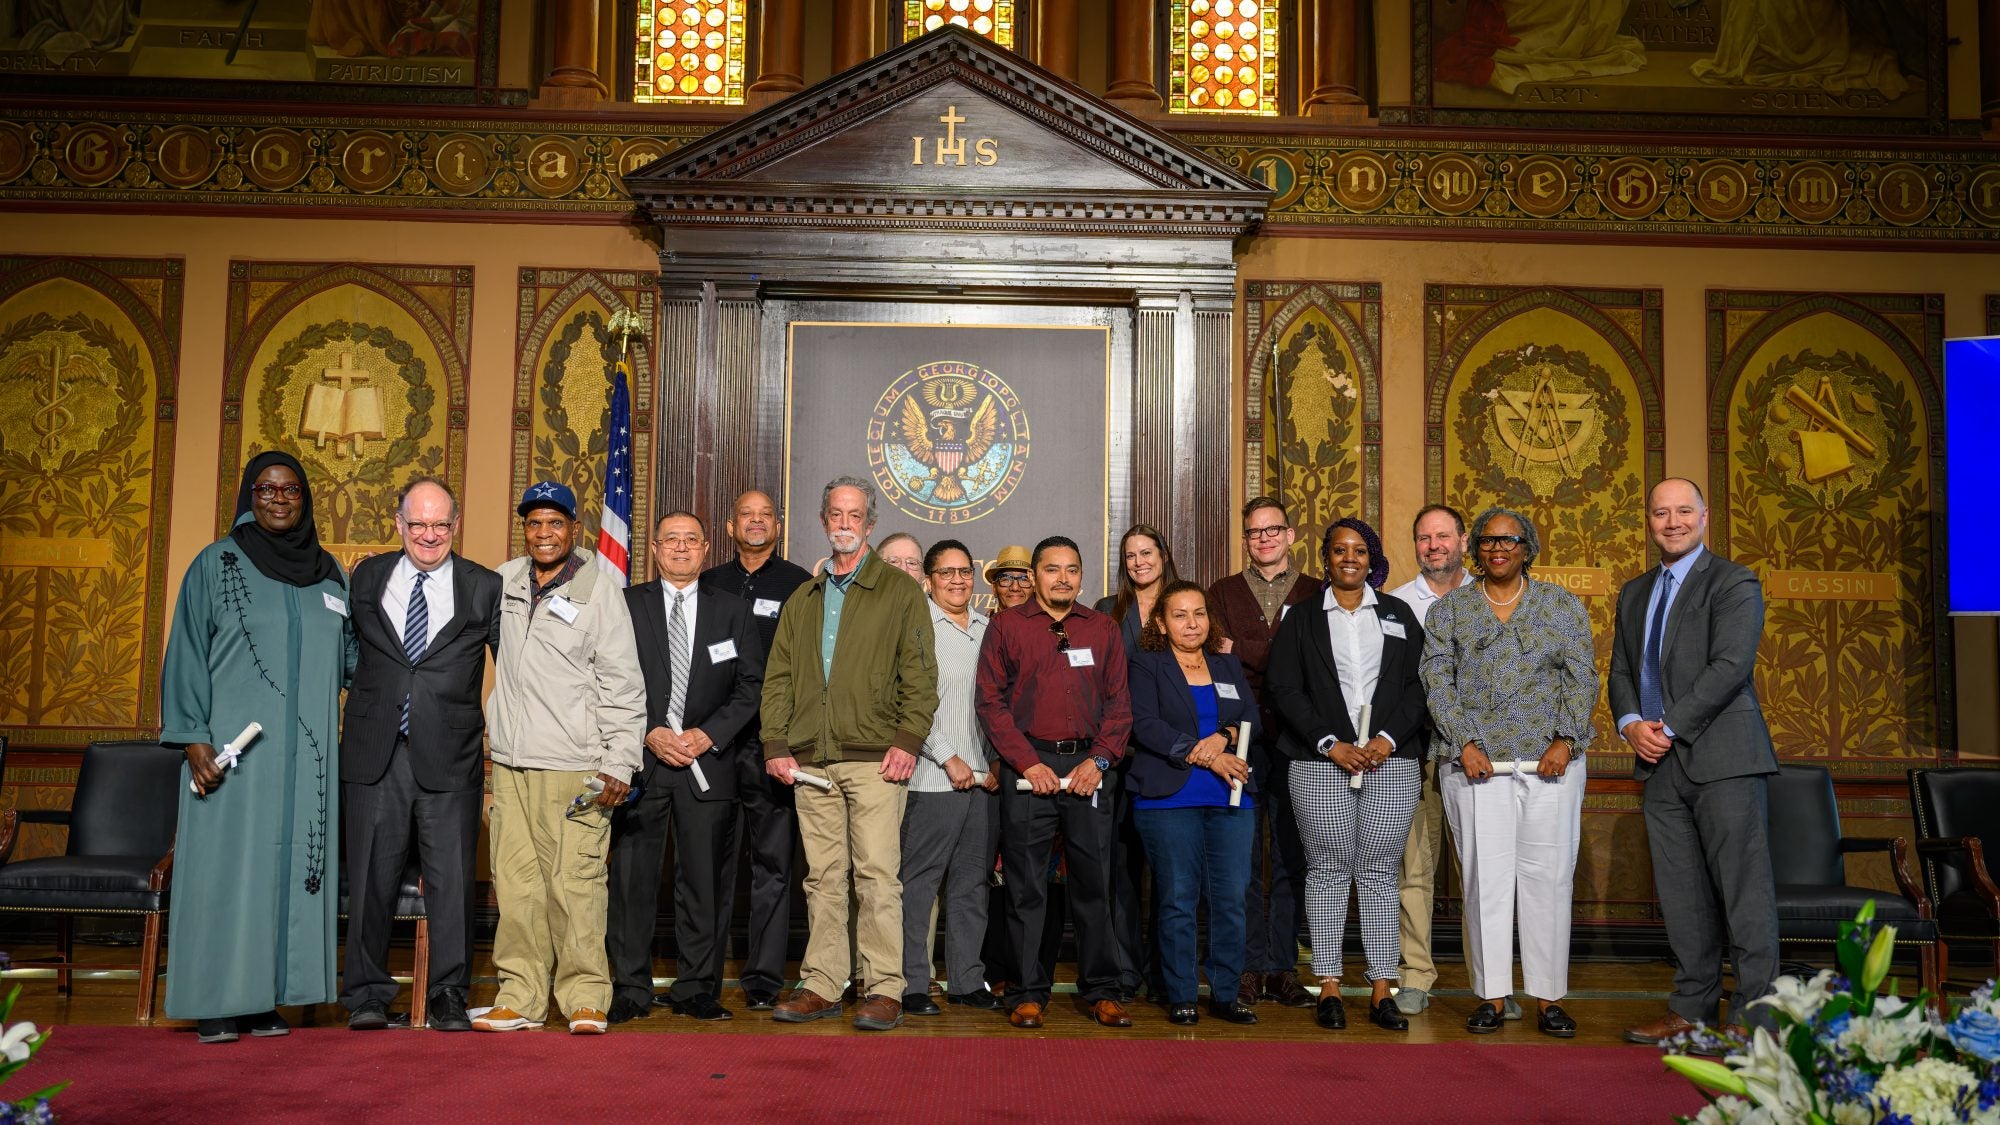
948	442
948	432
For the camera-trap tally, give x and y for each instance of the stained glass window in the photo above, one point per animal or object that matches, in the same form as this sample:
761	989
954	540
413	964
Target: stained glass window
690	51
992	19
1222	56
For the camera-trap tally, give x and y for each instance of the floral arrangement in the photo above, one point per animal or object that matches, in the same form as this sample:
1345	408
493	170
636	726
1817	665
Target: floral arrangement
1840	1054
18	1044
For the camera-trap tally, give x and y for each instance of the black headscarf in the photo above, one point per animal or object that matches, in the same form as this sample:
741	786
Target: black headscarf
293	557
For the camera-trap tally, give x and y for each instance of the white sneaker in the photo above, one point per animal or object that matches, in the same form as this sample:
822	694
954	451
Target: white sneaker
500	1019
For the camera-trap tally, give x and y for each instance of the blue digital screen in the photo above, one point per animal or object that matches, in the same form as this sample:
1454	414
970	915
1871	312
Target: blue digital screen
1972	472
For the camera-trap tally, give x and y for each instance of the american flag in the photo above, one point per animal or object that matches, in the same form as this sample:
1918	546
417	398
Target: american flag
614	526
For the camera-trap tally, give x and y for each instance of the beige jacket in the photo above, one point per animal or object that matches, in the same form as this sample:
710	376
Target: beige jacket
567	691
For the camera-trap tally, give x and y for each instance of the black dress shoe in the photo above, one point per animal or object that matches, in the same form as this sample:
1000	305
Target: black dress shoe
446	1011
1554	1021
920	1004
372	1015
265	1024
702	1006
1484	1020
215	1031
1232	1012
759	999
981	999
1387	1016
1184	1014
624	1009
1331	1013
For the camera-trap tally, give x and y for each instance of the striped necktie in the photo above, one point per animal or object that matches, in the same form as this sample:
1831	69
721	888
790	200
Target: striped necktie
416	637
680	657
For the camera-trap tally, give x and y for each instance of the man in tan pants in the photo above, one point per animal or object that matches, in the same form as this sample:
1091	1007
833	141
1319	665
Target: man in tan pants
568	708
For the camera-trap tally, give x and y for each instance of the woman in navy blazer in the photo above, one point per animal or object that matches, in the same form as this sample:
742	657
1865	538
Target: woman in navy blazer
1187	699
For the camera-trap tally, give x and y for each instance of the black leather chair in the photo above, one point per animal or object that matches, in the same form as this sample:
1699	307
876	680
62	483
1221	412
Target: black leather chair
118	860
1956	810
1809	866
409	908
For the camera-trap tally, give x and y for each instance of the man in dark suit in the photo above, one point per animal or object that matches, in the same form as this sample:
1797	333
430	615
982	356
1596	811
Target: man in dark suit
410	752
704	665
1681	685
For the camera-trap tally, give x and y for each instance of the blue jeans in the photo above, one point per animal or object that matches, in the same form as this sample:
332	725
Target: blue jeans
1199	853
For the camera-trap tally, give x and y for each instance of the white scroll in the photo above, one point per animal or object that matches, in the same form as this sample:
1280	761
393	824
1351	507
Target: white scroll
700	778
1367	714
1242	755
225	759
812	779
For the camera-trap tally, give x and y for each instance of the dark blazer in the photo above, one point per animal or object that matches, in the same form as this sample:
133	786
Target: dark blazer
722	697
1164	718
447	727
1707	658
1302	685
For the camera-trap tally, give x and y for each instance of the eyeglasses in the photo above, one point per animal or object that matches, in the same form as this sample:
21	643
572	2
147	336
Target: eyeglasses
1014	580
1500	542
443	527
679	540
1062	636
273	491
952	572
1265	532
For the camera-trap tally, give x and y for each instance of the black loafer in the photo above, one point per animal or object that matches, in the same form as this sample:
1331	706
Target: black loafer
1484	1020
1183	1014
920	1004
1387	1016
1331	1014
624	1009
372	1015
759	999
702	1006
265	1025
1554	1021
446	1011
215	1031
1230	1011
983	1000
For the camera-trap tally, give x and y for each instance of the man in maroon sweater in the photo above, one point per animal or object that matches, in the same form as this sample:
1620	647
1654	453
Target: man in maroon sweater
1249	604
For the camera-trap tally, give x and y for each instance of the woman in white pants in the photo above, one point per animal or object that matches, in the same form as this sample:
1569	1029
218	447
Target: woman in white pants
1511	679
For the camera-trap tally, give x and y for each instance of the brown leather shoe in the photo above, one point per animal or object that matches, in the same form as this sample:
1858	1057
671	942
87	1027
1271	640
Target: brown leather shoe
1286	989
1026	1014
1249	989
1110	1013
880	1013
803	1006
1660	1030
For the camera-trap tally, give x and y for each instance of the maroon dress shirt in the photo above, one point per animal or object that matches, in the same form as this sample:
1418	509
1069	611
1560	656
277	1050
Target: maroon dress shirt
1030	688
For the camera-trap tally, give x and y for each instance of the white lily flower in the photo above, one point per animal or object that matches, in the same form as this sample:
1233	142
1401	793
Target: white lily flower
1798	999
1773	1078
1883	1039
14	1043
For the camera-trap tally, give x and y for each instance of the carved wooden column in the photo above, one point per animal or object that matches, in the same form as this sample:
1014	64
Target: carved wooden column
1989	65
1336	67
1133	84
1055	37
781	63
854	27
573	33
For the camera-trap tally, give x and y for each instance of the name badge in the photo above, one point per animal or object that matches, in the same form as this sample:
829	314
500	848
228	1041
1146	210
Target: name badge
721	651
1394	629
1081	658
766	607
335	604
564	608
1226	691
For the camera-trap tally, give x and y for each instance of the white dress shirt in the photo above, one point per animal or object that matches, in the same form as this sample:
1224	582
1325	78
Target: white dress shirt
1357	653
955	731
688	602
1418	595
439	602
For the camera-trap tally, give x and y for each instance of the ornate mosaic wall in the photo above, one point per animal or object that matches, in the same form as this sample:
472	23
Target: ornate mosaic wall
1826	466
1312	417
360	373
562	390
89	363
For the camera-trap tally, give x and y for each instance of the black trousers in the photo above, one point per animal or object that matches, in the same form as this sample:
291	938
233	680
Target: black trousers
1134	905
769	831
380	818
1028	825
639	831
1273	919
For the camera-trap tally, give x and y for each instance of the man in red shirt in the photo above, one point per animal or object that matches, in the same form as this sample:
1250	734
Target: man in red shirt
1053	698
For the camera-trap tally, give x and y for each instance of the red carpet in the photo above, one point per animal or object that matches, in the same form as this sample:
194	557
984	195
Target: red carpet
126	1075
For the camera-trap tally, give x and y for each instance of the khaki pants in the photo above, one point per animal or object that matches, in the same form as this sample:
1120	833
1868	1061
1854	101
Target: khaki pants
549	878
853	831
1419	890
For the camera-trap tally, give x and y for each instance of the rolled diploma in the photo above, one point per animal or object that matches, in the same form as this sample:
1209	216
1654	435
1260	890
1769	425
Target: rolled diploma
1023	785
1506	767
700	778
231	751
1242	755
812	779
1367	713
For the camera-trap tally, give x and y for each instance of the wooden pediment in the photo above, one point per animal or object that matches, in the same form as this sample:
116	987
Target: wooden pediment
948	131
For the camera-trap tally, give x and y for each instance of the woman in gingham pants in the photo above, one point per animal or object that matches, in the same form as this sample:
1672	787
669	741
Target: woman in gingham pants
1353	646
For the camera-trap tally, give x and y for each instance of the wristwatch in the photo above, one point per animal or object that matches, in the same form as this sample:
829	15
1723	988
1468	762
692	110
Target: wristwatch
1103	763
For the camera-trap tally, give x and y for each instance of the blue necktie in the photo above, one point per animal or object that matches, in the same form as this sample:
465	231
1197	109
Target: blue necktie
416	637
1652	704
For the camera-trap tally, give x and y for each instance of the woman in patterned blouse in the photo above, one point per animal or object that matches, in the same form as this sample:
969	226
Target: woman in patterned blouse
1512	680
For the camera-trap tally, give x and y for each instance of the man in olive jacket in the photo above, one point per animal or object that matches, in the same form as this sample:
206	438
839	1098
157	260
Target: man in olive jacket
849	691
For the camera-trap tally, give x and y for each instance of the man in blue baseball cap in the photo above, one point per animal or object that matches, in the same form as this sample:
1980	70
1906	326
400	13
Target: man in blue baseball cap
568	712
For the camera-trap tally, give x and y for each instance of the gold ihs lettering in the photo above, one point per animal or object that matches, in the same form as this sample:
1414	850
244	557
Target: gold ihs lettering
951	147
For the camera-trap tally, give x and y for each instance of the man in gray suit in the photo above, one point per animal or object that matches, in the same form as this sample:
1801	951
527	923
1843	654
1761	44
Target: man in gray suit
1682	660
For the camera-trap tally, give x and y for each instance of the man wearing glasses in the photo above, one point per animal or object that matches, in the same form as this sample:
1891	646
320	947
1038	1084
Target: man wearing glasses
410	752
1053	698
1248	605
